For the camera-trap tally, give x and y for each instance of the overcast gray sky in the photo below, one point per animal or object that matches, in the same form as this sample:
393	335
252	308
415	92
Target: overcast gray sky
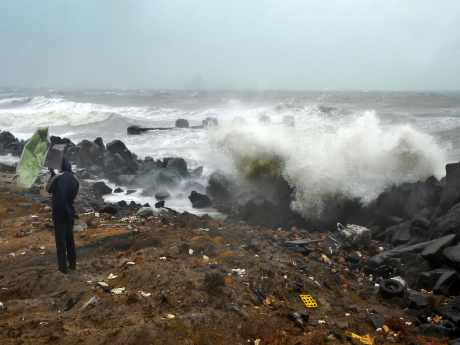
261	44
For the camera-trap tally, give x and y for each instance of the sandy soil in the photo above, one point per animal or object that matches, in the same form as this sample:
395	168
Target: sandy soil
186	280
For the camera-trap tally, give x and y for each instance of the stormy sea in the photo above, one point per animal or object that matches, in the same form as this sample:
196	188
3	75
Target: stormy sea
353	143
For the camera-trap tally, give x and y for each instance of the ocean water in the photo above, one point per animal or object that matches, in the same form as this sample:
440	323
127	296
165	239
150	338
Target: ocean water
355	143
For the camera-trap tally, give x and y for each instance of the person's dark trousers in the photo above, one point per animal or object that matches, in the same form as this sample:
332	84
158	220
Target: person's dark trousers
65	246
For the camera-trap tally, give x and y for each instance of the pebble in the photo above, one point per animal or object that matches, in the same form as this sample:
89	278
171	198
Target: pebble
144	294
112	276
170	316
190	251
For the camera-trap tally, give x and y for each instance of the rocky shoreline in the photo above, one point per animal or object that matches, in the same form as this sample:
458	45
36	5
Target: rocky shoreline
414	227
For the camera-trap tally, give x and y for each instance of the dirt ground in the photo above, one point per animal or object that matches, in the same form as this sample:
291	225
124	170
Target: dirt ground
186	280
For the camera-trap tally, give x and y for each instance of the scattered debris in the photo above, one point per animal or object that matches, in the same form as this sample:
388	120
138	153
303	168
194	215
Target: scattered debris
308	301
118	291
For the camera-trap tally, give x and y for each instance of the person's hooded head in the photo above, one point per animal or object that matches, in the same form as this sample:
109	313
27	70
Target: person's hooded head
66	166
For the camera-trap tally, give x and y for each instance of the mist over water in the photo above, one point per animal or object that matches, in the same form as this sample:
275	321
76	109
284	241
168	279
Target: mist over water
353	144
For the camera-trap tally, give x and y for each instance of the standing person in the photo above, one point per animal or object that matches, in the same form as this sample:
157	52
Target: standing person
64	188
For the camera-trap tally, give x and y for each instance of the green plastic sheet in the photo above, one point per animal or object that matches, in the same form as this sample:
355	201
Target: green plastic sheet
32	158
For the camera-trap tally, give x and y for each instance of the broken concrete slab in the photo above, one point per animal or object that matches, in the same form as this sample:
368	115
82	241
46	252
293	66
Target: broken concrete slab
379	259
433	251
452	255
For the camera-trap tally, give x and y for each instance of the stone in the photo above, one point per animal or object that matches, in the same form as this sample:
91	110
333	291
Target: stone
145	212
199	200
178	165
210	122
433	251
442	281
162	195
101	189
109	209
182	123
448	223
398	234
89	154
98	141
118	190
379	259
451	191
452	254
417	300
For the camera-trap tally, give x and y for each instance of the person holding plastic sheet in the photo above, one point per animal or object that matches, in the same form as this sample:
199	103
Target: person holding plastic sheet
64	189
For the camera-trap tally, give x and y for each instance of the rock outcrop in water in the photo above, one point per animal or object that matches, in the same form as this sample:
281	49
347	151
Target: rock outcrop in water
9	144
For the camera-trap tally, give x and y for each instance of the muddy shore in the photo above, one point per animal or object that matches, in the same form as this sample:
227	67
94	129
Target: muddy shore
182	279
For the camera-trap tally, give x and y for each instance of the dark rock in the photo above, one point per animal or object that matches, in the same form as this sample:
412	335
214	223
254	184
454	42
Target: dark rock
182	123
10	144
118	190
122	204
199	200
220	189
444	329
55	140
407	199
210	122
162	195
417	300
118	147
448	223
145	212
379	259
197	172
399	234
89	154
177	164
160	204
109	209
130	191
100	188
136	130
441	281
452	254
451	191
451	311
98	141
433	252
377	320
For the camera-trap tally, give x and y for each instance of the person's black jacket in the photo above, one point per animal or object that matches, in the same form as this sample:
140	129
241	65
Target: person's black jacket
64	188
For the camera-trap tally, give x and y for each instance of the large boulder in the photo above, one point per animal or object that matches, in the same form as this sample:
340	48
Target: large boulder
443	281
89	154
9	144
408	199
452	255
182	123
451	191
101	189
199	200
176	164
449	223
118	147
220	188
433	252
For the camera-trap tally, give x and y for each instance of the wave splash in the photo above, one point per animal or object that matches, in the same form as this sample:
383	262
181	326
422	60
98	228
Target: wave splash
356	157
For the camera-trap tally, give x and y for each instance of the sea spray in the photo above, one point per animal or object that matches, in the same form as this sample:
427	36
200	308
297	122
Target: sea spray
354	157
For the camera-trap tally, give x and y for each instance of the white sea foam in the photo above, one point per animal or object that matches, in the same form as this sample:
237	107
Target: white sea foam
355	156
